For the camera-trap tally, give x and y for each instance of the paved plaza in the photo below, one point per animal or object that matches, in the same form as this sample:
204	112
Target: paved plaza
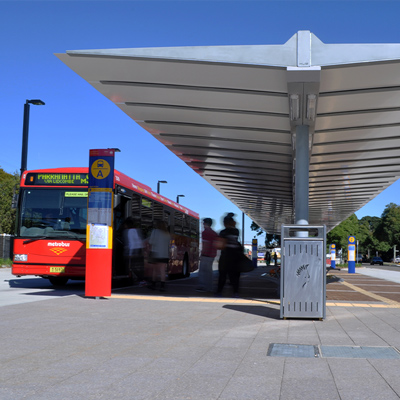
181	344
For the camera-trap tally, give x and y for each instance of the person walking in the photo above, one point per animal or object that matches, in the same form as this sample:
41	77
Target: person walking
133	249
208	253
276	259
159	242
230	256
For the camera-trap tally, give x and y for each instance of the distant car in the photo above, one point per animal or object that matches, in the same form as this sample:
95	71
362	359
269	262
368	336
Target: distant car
359	258
376	260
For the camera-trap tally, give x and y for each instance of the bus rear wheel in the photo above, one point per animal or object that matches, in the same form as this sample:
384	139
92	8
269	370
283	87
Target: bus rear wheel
185	268
58	280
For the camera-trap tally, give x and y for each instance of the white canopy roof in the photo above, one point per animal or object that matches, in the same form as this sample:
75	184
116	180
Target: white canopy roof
229	112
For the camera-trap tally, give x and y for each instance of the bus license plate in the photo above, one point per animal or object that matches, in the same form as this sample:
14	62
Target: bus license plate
57	269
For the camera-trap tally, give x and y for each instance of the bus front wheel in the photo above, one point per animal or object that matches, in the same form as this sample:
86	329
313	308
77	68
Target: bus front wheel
58	280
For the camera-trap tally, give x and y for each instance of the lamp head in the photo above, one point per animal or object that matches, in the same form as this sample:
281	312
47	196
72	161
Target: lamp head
36	102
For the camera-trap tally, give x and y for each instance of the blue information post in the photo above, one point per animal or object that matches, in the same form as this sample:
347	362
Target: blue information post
351	255
254	252
333	256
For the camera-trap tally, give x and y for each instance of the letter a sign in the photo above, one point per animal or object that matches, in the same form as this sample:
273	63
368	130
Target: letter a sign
101	168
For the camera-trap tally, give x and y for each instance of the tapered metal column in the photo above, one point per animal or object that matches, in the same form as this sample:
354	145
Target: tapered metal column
302	175
25	131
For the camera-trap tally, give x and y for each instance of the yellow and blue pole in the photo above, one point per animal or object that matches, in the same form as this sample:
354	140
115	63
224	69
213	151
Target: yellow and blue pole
333	256
254	252
351	254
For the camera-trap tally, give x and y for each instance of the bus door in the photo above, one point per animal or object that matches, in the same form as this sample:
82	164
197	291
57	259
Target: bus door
122	206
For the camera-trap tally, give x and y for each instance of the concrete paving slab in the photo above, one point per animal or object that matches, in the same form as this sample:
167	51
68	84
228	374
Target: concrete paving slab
160	347
393	276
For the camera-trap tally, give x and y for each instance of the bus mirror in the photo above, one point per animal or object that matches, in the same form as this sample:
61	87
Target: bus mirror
14	201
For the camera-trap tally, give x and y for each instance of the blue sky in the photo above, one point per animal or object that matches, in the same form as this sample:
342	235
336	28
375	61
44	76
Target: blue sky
76	117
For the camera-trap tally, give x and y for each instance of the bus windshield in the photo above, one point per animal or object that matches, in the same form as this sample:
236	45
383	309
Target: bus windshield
53	213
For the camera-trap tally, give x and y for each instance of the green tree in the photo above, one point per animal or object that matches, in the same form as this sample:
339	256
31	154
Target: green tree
9	185
340	233
368	241
388	231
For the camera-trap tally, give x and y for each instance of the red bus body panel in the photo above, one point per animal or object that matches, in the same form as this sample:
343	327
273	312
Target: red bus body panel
44	254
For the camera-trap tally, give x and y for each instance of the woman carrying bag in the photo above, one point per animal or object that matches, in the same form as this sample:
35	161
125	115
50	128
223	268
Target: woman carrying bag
231	255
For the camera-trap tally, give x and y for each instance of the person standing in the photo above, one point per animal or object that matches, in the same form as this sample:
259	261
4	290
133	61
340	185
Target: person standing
208	253
268	258
276	258
230	256
159	242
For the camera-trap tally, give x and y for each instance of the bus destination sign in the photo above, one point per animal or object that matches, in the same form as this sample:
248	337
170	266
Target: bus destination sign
48	179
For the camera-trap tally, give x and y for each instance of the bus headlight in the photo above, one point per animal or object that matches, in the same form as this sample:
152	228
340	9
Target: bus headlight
20	257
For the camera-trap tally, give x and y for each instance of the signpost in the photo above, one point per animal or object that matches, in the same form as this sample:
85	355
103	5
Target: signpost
254	252
351	255
99	231
333	256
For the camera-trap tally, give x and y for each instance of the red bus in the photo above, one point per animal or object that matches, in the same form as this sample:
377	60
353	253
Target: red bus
50	239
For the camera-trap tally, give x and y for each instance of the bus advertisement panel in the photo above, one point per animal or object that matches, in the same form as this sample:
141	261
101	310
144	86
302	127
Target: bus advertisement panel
50	238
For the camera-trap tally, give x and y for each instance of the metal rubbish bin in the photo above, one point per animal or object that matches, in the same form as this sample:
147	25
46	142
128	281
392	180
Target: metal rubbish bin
303	271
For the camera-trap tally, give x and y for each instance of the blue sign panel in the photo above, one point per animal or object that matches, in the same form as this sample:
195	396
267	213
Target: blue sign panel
101	169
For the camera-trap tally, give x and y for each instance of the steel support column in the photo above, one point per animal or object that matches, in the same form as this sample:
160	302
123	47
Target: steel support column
302	174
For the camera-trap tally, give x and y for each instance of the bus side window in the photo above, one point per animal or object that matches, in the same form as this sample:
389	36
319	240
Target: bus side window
194	228
157	211
178	223
147	216
167	219
186	225
135	207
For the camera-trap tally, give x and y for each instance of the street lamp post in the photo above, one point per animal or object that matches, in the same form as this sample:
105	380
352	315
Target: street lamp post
177	197
25	131
158	185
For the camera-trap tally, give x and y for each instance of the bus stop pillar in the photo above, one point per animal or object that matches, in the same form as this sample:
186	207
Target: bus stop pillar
99	223
333	256
254	252
351	255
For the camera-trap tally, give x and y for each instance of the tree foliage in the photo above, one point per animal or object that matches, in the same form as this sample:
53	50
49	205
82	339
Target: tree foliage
388	230
374	234
339	235
9	185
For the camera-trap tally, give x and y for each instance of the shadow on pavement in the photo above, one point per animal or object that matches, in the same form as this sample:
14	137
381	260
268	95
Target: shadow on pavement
261	311
43	287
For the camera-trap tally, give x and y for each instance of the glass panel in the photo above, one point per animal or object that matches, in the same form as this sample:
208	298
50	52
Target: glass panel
157	211
194	228
167	219
54	213
135	205
147	216
186	225
178	222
